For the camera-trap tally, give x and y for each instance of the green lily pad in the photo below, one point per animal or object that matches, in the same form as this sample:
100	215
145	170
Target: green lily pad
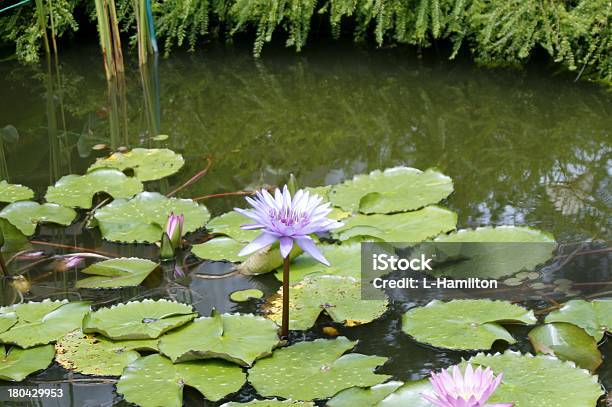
147	164
229	224
146	319
315	370
113	273
78	190
142	219
26	215
344	259
567	342
414	226
358	396
18	363
270	403
595	317
506	251
219	249
40	323
265	260
14	239
339	297
464	324
14	192
246	295
154	380
540	381
397	189
96	355
7	319
237	338
410	394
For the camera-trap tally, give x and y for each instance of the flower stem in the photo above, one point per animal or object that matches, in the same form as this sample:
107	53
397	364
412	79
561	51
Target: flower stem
285	323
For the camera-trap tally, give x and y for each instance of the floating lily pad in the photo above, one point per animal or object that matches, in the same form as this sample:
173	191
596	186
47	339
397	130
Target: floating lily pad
229	224
219	249
246	295
410	394
540	381
78	190
315	370
143	218
154	380
147	164
8	318
14	239
14	192
414	226
595	317
358	396
345	260
567	342
265	260
96	355
339	297
493	252
25	215
113	273
397	189
464	324
18	363
270	403
146	319
40	323
237	338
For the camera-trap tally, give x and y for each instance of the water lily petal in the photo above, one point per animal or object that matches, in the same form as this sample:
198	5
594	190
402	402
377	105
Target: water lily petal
261	241
309	247
286	244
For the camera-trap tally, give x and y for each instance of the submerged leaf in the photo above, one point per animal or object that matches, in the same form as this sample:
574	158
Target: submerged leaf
464	324
397	189
143	218
147	164
26	215
314	370
338	296
237	338
78	190
14	192
595	317
146	319
18	363
219	249
121	272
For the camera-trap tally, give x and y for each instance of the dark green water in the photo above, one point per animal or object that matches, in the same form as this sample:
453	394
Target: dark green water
523	148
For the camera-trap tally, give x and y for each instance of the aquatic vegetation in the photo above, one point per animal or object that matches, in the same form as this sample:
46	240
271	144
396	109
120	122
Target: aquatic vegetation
464	324
114	273
14	192
595	317
371	396
246	295
147	164
26	215
18	363
172	238
471	389
219	249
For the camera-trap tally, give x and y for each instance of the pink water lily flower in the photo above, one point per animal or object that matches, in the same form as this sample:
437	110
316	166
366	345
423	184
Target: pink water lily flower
174	229
287	220
470	390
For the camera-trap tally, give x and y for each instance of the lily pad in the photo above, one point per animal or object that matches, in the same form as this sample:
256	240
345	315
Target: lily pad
14	239
96	355
18	363
246	295
113	273
146	319
540	381
14	192
345	260
143	218
358	396
315	370
398	189
338	296
410	394
567	342
414	226
219	249
147	164
595	317
464	324
237	338
270	403
493	252
26	215
7	319
78	190
154	380
40	323
229	224
265	260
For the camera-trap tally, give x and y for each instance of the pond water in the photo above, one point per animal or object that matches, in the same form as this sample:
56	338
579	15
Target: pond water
523	148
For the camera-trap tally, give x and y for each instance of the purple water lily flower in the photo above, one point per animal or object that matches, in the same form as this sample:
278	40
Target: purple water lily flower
174	229
288	220
470	390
